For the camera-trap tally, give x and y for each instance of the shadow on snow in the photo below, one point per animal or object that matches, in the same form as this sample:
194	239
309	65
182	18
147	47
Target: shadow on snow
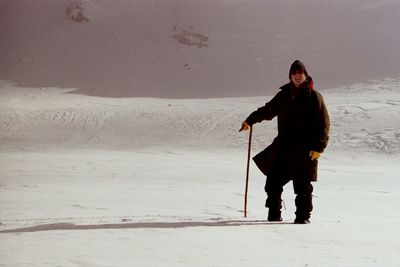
139	225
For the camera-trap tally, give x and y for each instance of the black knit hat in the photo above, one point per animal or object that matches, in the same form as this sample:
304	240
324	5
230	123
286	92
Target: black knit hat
297	65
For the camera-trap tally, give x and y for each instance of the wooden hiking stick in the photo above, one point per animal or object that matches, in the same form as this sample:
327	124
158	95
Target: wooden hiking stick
247	172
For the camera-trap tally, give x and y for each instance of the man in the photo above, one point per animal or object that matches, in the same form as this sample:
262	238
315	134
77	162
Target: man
303	128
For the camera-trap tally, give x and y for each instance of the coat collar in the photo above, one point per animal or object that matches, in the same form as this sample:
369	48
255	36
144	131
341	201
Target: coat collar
306	87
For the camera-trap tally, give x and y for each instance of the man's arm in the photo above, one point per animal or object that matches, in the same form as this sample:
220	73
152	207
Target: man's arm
322	126
267	112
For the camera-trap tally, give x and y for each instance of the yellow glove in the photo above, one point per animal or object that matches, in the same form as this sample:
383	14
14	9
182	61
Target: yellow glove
244	127
314	155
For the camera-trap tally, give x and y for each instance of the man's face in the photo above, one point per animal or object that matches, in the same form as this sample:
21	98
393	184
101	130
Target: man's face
298	77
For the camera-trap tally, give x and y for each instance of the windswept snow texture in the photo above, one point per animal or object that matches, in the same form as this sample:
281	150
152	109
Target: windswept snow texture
94	181
364	118
195	49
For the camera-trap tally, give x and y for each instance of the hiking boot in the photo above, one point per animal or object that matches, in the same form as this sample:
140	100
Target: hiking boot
274	219
274	216
303	208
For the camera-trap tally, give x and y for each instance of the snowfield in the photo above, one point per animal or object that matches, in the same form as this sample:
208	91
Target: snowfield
119	142
91	181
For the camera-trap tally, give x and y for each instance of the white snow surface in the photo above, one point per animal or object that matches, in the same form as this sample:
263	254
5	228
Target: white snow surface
95	181
119	142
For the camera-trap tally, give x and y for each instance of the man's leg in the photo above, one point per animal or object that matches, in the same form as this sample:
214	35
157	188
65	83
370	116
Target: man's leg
273	188
303	190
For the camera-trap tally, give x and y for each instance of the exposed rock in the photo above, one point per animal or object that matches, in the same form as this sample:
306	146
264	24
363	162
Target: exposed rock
191	38
76	12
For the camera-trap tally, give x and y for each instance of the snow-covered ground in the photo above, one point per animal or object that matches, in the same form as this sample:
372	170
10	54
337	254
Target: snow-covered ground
95	172
91	181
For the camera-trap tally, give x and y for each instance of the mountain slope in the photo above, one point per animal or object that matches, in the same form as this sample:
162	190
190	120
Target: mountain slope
194	49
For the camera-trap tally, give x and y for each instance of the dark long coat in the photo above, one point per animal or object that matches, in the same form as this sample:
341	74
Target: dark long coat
303	126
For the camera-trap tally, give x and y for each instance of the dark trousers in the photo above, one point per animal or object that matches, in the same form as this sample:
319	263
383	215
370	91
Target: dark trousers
302	188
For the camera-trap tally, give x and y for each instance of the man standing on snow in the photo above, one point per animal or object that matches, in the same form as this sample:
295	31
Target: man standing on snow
303	128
